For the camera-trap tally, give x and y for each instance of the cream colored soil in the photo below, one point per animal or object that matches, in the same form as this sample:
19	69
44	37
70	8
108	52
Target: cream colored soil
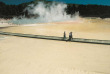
19	55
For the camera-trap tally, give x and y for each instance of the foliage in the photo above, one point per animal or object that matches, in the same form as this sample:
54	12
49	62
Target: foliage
10	11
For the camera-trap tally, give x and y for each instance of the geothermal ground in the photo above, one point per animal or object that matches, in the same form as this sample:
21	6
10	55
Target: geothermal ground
20	55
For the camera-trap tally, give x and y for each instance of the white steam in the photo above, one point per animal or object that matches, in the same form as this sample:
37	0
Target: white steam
45	13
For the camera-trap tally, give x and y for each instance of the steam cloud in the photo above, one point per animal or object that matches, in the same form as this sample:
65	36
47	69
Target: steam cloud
45	13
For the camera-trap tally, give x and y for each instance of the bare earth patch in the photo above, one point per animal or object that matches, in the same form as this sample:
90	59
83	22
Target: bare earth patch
20	55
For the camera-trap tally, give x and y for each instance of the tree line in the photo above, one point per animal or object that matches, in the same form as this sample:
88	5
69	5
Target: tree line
10	11
90	10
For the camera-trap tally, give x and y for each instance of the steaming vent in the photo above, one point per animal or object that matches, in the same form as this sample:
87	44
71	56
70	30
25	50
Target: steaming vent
45	12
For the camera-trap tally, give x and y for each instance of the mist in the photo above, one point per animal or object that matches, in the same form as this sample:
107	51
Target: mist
54	12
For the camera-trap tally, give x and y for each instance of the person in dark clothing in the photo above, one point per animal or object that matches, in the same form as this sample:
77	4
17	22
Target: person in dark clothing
70	36
64	36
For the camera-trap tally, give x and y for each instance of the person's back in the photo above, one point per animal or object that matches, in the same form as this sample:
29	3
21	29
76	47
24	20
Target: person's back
64	37
70	36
